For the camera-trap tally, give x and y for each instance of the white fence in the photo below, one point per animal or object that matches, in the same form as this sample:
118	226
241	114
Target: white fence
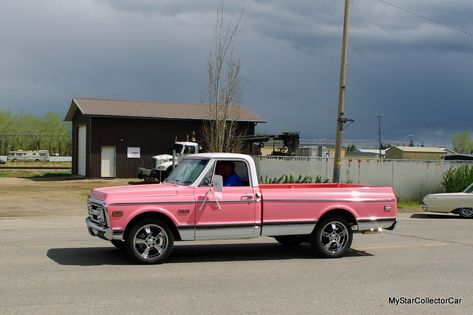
411	179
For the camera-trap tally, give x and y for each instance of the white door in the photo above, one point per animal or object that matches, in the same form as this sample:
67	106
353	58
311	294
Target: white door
108	162
81	147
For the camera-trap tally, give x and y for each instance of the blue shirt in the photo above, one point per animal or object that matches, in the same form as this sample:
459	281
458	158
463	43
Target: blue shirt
232	180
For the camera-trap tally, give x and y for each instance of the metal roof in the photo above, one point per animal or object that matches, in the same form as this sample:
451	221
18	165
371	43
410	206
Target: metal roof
151	109
421	149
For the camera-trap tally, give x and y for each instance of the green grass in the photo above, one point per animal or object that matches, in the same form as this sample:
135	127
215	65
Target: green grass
409	204
13	173
51	174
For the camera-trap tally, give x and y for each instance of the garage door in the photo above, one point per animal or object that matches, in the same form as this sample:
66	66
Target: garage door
81	147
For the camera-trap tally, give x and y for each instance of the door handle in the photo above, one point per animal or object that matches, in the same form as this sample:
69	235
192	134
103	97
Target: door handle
248	196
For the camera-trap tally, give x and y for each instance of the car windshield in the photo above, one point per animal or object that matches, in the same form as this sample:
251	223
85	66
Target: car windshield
469	189
186	172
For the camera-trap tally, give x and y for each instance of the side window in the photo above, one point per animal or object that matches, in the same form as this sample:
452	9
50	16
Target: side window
234	173
189	150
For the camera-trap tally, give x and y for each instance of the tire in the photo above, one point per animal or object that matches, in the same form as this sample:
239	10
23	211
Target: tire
466	213
289	240
118	244
150	241
332	237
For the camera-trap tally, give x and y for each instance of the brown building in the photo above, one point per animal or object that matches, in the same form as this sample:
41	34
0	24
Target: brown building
112	138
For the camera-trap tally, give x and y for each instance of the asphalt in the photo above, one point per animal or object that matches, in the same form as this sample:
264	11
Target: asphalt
50	265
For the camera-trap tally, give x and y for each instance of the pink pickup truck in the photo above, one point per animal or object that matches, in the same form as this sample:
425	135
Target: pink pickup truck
194	204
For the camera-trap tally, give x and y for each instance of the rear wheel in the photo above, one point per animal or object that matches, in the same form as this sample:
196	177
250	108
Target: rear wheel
332	237
466	213
150	241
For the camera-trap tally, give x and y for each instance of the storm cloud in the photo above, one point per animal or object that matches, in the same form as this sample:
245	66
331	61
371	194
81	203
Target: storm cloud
411	61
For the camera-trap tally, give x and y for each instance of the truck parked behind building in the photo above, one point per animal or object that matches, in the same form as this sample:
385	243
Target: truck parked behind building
162	164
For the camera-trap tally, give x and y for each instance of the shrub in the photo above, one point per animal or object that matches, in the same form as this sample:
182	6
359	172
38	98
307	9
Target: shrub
289	179
457	179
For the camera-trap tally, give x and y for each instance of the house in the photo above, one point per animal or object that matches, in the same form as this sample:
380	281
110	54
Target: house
112	138
416	153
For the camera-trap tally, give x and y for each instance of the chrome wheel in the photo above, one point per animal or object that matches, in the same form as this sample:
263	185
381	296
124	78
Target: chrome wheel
466	212
332	237
149	241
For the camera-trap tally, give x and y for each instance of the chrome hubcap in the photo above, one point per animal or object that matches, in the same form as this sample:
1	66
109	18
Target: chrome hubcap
334	237
151	241
467	212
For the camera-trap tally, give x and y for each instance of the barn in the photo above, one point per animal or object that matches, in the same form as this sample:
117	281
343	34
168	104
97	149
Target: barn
112	138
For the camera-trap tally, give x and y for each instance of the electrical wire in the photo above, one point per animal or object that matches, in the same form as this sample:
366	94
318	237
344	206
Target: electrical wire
426	18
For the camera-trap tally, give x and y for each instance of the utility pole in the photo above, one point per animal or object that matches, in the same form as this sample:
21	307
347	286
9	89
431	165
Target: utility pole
341	96
379	135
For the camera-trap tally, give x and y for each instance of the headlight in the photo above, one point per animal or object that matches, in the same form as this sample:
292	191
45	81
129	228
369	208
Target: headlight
97	212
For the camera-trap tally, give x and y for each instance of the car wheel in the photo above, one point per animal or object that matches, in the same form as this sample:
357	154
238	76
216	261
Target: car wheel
118	244
332	237
289	240
149	241
466	213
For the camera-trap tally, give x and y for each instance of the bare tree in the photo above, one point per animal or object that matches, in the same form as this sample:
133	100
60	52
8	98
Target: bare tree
224	91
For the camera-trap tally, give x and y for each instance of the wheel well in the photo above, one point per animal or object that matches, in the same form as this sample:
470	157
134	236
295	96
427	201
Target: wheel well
347	215
154	215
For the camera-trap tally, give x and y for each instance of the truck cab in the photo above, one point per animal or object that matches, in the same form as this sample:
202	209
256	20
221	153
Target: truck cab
163	164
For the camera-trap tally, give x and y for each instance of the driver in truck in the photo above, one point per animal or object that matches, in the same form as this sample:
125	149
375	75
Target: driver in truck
227	170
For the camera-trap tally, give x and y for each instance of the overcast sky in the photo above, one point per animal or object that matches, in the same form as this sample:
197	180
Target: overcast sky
415	68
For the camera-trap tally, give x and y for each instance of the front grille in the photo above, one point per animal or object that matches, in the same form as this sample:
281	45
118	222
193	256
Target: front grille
97	213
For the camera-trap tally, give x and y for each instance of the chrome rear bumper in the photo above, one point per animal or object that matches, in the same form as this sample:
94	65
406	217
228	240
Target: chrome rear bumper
376	225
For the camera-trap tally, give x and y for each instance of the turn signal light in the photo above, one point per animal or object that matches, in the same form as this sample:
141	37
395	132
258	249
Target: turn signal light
117	214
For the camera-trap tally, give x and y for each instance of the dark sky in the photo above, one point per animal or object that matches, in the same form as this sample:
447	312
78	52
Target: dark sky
415	68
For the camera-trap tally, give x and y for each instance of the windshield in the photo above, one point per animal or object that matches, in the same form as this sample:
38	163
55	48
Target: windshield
469	189
178	148
186	172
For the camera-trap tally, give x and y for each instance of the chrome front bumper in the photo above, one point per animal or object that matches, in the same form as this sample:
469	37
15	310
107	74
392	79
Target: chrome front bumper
105	233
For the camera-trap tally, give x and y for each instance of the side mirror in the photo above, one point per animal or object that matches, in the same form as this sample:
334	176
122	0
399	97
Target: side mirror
218	183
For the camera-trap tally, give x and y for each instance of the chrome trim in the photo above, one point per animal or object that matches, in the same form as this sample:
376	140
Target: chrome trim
178	202
287	229
229	232
103	206
375	225
105	233
333	200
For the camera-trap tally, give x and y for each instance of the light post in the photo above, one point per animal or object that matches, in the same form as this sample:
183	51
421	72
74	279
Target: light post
379	135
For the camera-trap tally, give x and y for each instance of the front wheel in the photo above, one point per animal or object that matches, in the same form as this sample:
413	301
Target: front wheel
150	241
466	213
332	237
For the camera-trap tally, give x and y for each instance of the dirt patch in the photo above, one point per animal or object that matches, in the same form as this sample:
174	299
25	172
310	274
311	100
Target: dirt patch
58	196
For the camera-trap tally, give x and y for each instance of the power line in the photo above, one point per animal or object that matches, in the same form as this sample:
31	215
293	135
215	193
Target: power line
426	18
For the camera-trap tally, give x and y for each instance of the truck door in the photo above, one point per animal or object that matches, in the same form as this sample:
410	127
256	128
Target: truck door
231	213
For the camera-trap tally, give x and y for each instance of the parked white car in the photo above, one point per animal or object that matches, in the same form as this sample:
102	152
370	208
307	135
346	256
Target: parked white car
460	203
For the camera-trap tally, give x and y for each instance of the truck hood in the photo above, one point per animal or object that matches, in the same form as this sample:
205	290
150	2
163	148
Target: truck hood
133	193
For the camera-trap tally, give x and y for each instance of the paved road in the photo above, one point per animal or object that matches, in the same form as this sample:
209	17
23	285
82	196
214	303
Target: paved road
52	266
